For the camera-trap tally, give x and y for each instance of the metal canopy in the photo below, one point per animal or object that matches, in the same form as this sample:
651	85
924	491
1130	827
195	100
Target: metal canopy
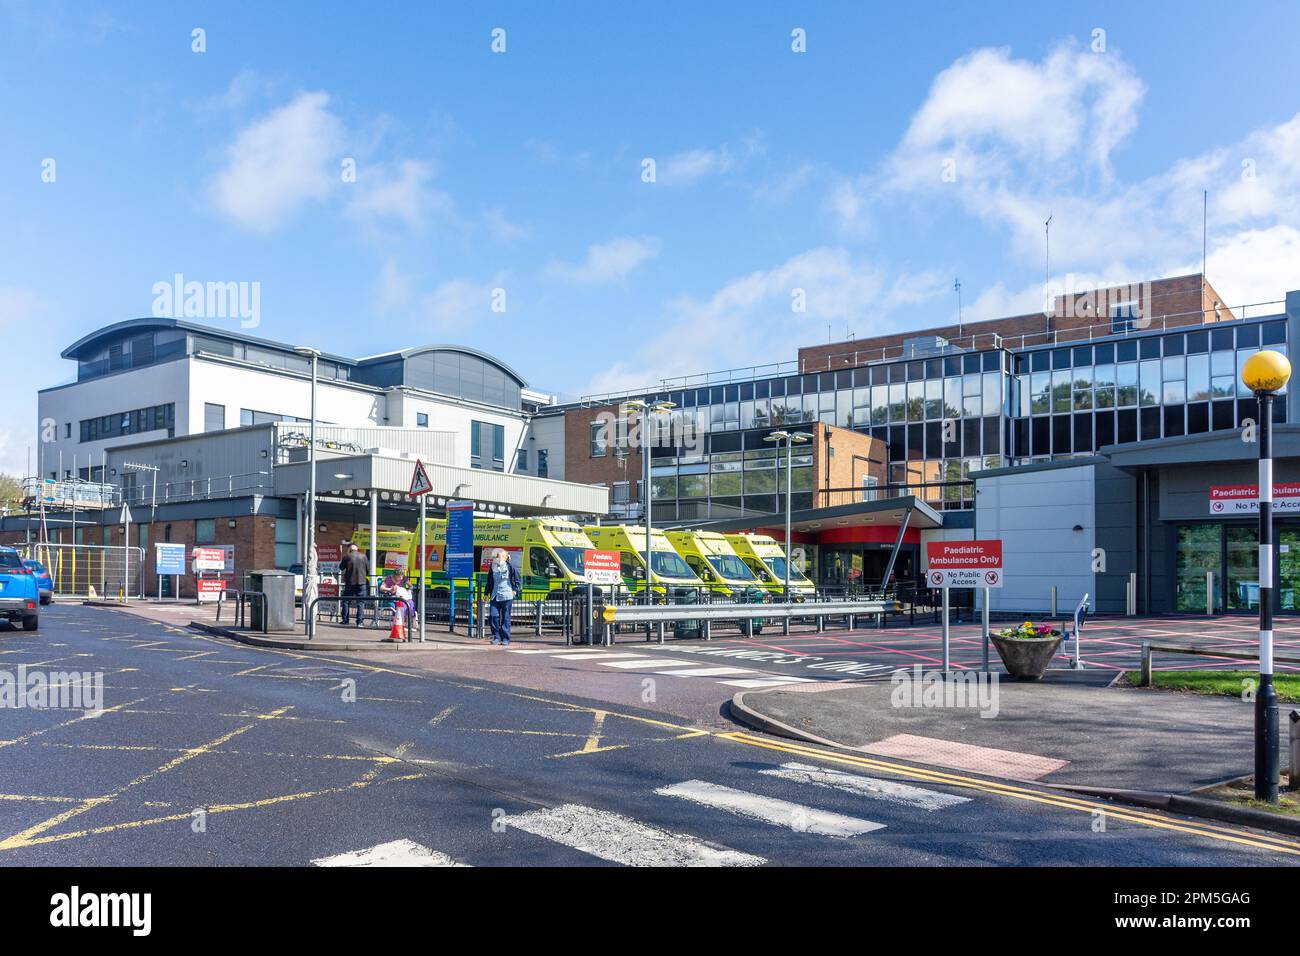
885	513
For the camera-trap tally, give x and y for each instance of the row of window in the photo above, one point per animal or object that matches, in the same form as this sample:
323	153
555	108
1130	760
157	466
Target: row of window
487	446
134	422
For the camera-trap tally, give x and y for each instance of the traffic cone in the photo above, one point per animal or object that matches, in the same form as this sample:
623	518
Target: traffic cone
398	633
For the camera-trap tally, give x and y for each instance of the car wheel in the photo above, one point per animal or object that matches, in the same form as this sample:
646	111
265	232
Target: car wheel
31	623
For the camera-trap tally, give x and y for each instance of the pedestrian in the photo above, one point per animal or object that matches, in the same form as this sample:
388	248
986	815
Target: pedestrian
354	569
503	586
395	586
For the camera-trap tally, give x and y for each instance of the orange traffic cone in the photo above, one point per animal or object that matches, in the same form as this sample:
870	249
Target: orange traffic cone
398	634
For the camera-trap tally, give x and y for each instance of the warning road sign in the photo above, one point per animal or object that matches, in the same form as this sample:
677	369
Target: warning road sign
420	483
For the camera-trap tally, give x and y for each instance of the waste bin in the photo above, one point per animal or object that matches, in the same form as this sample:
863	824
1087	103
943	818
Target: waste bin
275	611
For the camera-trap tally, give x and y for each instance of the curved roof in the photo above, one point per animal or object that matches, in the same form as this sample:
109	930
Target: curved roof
86	342
405	354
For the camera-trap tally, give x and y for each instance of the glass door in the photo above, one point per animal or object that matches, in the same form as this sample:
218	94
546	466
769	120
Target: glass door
1199	551
1243	569
1288	568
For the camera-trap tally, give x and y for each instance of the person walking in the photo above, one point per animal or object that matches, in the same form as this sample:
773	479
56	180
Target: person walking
355	572
503	586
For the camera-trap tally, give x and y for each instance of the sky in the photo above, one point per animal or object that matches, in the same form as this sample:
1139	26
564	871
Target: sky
604	195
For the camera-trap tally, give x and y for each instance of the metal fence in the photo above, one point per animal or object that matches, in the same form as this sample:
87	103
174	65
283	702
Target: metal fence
87	570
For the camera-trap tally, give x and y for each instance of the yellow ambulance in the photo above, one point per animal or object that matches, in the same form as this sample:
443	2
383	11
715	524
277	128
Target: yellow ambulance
713	561
669	574
766	559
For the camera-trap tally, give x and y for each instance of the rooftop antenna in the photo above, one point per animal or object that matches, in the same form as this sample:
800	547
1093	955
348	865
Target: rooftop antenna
1205	218
956	284
1047	266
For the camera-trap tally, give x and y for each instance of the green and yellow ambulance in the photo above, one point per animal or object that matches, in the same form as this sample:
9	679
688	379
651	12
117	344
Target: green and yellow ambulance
716	564
766	560
670	576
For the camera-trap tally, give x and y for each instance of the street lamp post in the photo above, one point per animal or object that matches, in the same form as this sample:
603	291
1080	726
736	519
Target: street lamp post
646	410
789	438
309	559
1264	374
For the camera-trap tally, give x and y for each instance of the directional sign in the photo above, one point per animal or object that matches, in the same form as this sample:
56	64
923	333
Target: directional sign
460	538
964	564
601	567
1244	499
169	558
420	483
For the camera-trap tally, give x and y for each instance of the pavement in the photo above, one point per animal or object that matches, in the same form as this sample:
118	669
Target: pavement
210	752
1057	731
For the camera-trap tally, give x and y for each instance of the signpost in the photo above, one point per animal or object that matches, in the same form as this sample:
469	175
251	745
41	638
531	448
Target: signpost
964	564
1244	499
169	559
459	558
600	567
126	555
420	488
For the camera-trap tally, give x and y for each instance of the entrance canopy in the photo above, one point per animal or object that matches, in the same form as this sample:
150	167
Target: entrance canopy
389	477
884	513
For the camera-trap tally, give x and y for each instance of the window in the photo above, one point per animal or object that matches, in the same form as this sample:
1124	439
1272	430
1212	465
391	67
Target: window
599	438
67	429
286	542
487	439
543	465
869	488
620	495
522	463
214	417
421	420
155	418
205	531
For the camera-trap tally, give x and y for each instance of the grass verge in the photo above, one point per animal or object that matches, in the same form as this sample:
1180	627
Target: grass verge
1219	683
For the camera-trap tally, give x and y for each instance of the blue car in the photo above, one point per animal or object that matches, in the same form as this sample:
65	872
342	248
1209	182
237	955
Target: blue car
44	583
20	597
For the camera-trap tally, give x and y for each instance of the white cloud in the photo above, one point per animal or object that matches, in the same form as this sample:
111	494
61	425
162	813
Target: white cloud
457	304
278	163
501	228
690	166
392	289
401	193
609	261
752	318
1257	265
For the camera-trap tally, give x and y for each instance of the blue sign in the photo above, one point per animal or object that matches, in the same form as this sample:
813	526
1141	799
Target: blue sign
460	539
169	558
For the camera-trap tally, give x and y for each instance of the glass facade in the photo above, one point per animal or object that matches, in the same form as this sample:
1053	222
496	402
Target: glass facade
943	417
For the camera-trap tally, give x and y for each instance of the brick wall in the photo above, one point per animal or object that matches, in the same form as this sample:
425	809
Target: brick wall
841	458
580	467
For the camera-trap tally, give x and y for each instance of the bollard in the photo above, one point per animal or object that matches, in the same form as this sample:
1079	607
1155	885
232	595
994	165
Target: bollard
1209	594
1133	593
1053	600
1146	664
1295	750
984	628
946	657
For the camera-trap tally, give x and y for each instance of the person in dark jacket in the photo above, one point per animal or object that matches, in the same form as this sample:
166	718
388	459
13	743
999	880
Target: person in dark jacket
503	588
354	569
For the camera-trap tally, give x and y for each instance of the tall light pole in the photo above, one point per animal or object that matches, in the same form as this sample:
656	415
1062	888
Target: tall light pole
309	559
646	410
789	438
1264	373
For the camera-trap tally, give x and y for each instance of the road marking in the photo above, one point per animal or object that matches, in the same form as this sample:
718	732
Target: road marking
959	756
767	681
651	662
603	655
620	839
396	853
887	790
708	671
782	813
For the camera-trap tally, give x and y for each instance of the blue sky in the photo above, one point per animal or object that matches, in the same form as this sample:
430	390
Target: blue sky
904	148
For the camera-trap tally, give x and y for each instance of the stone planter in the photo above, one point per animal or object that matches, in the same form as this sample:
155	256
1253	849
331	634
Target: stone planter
1026	658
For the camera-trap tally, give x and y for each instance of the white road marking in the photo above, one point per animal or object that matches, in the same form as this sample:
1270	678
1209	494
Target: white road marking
888	790
602	655
767	681
396	853
650	662
782	813
709	671
619	839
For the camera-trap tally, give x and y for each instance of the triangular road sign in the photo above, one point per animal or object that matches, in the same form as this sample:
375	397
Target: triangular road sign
420	483
126	517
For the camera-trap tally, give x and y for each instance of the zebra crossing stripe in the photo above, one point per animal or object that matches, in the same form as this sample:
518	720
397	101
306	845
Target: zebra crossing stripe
396	853
782	813
887	790
708	671
602	655
650	662
767	682
619	839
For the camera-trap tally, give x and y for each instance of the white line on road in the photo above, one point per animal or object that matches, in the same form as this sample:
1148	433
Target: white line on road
396	853
887	790
782	813
767	681
708	671
584	655
650	662
613	837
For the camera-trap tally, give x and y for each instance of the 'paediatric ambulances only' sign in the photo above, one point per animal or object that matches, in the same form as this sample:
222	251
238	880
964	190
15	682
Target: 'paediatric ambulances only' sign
1244	499
964	564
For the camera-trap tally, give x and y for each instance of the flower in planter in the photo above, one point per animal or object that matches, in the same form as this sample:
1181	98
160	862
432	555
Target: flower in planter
1029	630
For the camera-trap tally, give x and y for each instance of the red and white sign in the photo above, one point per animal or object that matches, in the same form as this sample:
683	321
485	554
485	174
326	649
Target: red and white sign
327	589
601	567
420	483
209	559
1244	499
964	564
396	560
209	589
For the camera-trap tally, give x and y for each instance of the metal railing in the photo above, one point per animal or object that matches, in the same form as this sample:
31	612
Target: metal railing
750	616
225	486
244	600
77	569
1149	649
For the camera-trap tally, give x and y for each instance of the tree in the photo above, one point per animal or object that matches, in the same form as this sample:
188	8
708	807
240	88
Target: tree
11	488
